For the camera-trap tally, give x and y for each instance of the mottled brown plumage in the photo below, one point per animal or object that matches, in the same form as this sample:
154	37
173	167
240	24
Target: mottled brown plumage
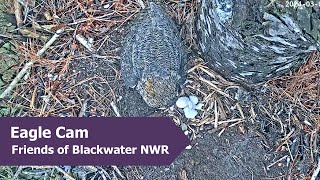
153	57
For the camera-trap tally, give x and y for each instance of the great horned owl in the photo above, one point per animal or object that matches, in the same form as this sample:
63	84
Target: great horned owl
153	57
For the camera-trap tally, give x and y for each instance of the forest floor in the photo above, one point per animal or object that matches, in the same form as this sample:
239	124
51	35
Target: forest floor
268	132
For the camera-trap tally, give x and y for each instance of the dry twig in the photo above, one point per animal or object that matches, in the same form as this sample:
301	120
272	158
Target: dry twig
29	64
115	109
64	173
16	175
316	171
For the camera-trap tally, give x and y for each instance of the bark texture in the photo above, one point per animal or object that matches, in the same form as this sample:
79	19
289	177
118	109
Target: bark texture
251	41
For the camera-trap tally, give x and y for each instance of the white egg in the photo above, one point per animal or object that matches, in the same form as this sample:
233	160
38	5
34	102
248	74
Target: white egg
190	113
194	99
191	105
182	102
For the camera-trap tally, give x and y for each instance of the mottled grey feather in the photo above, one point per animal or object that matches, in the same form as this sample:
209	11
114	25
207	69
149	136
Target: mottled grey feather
247	41
153	57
